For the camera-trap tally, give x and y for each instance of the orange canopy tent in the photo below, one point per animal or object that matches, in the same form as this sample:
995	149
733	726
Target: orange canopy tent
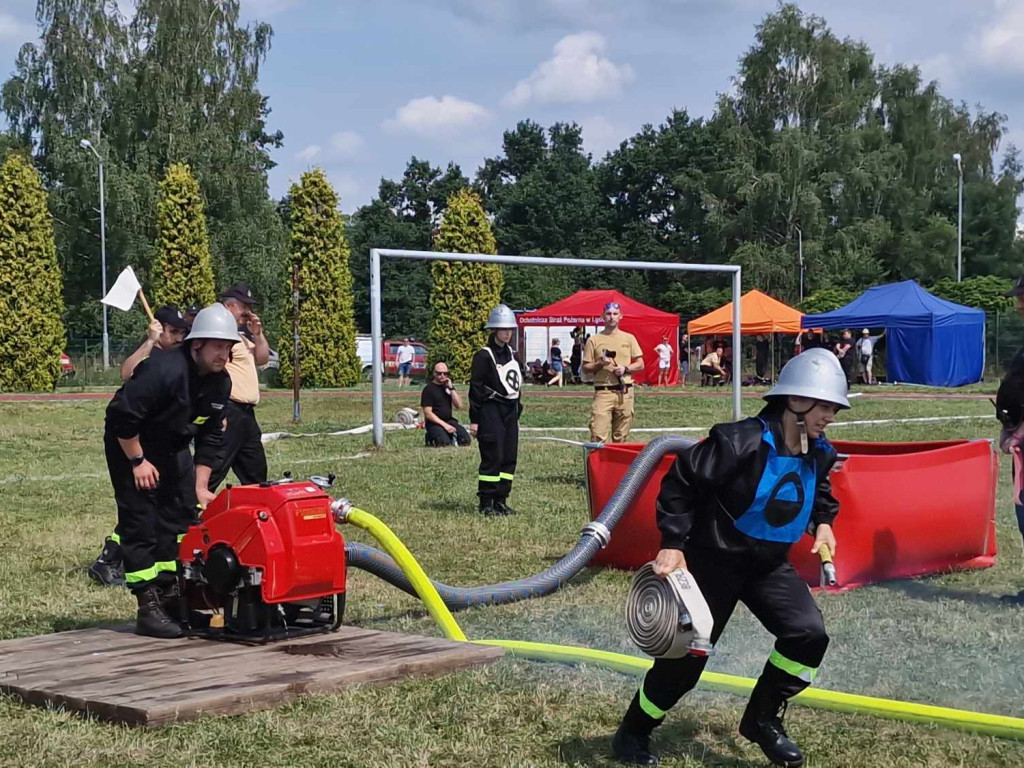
759	313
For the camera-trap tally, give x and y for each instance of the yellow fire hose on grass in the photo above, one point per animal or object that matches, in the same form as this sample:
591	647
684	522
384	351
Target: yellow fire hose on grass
959	719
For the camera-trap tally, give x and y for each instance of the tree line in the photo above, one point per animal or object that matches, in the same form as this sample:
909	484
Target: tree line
814	141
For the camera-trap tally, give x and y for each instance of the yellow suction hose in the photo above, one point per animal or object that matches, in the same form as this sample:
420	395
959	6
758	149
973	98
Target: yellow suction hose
959	719
412	570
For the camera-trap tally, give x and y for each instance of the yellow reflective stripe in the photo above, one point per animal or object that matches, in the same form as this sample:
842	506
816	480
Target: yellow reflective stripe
201	419
114	537
148	574
651	709
488	478
506	476
802	671
180	537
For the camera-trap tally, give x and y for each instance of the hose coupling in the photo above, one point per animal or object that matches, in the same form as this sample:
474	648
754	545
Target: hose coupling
340	509
599	531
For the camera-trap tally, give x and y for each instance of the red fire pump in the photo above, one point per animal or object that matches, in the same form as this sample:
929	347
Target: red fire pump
265	561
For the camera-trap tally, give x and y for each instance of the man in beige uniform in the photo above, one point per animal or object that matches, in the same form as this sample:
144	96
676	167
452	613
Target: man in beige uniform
612	356
243	440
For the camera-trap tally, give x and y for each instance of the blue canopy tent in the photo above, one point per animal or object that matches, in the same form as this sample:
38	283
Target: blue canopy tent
929	340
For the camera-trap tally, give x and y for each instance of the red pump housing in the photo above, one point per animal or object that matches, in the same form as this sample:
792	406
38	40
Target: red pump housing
285	530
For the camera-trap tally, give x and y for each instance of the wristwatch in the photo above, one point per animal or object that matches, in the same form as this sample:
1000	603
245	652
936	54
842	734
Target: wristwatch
137	461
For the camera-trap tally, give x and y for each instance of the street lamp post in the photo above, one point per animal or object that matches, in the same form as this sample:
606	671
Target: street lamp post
86	144
800	252
959	217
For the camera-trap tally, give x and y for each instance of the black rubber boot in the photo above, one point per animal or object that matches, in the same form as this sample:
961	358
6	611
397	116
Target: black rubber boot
762	724
152	620
633	747
108	569
504	507
173	602
631	743
490	508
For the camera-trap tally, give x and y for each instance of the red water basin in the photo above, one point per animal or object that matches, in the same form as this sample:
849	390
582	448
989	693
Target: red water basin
906	509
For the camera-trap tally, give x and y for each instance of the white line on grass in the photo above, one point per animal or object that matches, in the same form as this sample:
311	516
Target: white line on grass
363	430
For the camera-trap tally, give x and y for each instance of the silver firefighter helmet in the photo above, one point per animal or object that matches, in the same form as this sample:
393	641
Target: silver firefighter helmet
816	374
501	317
214	322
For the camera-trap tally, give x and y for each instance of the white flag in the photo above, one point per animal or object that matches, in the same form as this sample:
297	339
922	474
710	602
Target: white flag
122	294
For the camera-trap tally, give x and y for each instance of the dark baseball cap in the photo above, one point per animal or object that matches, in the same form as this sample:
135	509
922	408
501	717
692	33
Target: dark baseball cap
241	292
1018	287
193	309
170	315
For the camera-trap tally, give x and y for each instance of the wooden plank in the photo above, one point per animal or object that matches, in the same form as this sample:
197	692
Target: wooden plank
115	675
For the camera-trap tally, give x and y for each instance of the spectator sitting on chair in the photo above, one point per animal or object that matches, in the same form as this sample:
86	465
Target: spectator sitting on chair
437	400
711	367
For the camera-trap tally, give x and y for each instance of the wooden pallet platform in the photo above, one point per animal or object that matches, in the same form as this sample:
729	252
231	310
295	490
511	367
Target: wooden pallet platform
113	674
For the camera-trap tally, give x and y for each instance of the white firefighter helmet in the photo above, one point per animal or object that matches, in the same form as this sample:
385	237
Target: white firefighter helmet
815	374
501	317
214	322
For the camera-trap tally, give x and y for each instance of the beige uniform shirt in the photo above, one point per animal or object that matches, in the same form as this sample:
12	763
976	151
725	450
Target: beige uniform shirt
245	383
626	351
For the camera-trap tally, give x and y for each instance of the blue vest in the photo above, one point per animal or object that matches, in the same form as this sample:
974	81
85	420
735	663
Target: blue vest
782	505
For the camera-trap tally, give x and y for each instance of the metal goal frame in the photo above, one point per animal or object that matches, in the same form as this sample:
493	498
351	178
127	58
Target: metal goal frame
376	332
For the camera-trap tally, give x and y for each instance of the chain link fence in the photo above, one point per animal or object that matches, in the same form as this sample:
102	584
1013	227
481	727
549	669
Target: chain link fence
87	365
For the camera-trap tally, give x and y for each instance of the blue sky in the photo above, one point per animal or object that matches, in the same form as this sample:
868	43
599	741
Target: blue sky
358	87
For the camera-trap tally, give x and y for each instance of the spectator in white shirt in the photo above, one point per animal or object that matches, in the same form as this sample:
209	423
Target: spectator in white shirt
866	353
664	351
406	353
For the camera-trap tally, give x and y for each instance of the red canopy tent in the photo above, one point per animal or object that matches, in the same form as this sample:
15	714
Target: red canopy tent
648	324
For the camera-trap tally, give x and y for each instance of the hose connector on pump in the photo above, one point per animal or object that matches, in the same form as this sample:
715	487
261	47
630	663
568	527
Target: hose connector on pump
340	509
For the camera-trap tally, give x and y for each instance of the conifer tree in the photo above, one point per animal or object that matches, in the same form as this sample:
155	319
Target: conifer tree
463	293
320	252
182	272
31	288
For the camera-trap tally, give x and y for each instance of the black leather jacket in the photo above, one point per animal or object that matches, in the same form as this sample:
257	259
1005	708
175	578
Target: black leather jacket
714	482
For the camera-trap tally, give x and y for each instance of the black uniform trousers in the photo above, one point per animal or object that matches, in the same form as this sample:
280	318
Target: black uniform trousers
779	599
436	436
498	438
150	522
243	447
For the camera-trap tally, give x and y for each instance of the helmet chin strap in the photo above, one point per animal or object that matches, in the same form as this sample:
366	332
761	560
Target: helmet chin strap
804	444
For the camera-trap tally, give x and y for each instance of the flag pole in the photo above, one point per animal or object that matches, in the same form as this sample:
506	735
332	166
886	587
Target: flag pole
145	305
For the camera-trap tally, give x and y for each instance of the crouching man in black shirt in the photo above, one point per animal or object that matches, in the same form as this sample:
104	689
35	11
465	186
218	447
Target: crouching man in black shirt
437	400
173	397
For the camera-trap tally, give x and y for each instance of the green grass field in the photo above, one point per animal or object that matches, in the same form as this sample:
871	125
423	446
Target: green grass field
943	640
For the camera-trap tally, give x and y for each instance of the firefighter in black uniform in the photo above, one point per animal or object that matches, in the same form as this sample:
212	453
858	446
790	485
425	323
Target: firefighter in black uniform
728	511
494	409
173	397
1010	412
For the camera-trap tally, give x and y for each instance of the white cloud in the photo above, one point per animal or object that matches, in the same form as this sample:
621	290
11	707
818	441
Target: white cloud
436	118
309	152
1000	43
578	72
13	29
348	189
346	144
600	135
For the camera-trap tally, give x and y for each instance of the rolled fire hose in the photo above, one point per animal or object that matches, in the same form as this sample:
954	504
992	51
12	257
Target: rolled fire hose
594	536
406	416
945	717
668	617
